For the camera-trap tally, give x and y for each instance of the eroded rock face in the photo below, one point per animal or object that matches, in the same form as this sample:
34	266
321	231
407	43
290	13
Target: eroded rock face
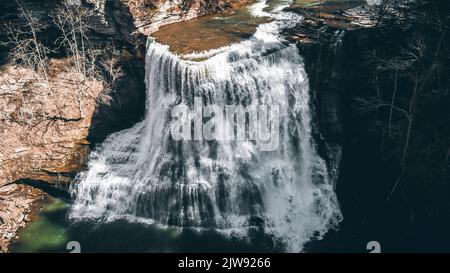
17	201
44	126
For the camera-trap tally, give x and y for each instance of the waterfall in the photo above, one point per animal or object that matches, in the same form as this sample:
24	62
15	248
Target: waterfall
143	174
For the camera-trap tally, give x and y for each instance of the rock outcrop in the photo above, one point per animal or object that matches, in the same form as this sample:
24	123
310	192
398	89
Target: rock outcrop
44	127
149	15
17	202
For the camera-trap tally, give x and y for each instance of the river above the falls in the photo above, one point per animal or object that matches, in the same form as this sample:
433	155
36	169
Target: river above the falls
219	30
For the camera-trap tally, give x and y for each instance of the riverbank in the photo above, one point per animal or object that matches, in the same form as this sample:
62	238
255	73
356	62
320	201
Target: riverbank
20	205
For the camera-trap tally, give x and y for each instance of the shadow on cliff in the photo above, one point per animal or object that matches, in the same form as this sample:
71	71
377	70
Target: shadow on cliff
410	217
128	95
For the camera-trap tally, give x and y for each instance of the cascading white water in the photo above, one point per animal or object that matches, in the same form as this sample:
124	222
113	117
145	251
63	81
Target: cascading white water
143	174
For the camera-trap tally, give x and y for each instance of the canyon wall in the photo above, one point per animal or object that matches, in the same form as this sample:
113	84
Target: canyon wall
388	193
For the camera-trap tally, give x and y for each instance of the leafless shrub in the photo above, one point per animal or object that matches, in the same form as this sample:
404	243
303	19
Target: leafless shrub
69	20
392	11
114	72
86	62
27	48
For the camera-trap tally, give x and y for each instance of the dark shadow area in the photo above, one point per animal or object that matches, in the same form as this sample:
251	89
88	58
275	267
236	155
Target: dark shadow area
60	191
398	199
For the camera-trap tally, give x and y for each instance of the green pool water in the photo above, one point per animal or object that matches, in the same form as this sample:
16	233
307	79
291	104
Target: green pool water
52	231
47	232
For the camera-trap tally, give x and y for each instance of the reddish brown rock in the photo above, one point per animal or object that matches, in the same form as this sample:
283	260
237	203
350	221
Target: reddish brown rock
43	130
150	15
17	202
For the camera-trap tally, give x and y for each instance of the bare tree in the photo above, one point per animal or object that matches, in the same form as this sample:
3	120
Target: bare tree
27	48
114	72
87	61
394	65
70	21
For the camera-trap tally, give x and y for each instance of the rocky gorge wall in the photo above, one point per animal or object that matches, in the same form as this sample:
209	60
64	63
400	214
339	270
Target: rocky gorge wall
399	204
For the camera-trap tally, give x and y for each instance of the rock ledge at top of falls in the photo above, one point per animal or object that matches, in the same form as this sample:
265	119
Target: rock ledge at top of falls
323	21
150	15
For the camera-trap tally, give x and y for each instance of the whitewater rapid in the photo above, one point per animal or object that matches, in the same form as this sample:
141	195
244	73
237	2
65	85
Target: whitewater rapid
143	174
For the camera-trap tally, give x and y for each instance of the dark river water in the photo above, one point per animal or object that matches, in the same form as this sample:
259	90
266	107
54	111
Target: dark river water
51	232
